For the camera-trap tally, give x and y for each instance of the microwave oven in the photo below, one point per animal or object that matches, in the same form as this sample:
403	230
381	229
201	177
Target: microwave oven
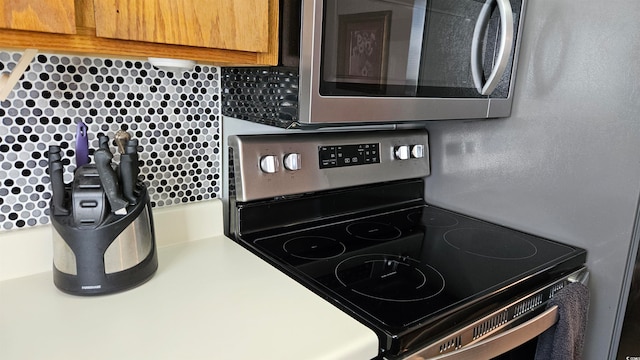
346	62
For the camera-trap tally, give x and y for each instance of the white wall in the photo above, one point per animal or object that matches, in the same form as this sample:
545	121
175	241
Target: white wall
566	164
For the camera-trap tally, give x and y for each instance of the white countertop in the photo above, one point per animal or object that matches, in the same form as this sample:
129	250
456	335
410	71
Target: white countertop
209	299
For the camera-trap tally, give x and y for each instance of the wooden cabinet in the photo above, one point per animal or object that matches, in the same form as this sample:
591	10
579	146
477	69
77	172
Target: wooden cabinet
237	25
227	32
53	16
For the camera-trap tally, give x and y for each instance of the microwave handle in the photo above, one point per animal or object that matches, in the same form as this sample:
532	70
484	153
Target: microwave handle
503	342
506	45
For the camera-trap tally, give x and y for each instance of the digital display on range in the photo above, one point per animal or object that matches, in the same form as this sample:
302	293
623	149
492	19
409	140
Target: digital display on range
348	155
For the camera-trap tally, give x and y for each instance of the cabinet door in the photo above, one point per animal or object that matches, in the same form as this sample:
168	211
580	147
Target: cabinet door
224	24
54	16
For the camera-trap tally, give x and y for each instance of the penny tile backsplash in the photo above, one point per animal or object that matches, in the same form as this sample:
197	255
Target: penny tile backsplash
175	117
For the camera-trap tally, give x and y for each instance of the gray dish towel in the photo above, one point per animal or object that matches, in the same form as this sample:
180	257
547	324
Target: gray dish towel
565	339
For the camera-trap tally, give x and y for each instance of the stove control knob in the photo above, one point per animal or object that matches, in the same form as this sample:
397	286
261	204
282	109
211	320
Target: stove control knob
269	164
402	152
417	151
292	162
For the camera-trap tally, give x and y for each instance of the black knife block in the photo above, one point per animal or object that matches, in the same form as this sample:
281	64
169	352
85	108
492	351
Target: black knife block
117	254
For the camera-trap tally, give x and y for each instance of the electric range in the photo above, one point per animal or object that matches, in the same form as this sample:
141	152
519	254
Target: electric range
344	214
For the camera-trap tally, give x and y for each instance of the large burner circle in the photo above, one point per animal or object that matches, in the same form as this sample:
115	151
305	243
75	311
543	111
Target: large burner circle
489	243
314	247
389	277
432	218
370	230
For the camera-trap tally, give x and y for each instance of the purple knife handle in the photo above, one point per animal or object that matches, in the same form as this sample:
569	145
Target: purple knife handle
82	145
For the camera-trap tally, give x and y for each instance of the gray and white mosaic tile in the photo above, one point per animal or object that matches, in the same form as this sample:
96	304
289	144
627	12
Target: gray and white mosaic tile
175	117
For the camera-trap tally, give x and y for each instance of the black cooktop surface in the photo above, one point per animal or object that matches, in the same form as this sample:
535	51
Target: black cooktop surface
400	268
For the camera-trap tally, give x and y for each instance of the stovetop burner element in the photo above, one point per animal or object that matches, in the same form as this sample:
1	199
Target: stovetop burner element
369	230
314	247
490	243
389	277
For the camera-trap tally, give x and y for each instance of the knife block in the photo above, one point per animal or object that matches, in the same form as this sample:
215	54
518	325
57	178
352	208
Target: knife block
117	254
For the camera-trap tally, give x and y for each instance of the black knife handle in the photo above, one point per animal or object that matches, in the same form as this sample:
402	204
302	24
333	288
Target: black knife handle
132	151
127	178
109	181
132	146
103	142
56	175
54	157
57	189
54	154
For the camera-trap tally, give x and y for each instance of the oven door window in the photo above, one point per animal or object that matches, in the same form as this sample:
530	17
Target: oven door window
417	48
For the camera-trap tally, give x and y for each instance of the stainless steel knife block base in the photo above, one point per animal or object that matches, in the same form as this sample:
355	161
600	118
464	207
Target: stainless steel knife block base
116	255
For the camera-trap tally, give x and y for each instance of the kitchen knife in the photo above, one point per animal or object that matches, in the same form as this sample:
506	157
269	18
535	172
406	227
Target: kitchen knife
82	144
57	182
125	169
127	178
103	142
121	139
132	151
109	181
54	154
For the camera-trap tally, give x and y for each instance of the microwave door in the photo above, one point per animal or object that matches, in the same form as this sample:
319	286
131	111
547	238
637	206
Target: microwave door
371	47
405	48
401	60
416	39
468	48
453	30
348	77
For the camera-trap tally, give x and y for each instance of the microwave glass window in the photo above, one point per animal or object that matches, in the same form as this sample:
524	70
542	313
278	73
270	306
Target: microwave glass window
417	48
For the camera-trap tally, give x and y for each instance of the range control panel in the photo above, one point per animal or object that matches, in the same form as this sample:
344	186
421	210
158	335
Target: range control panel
267	166
348	155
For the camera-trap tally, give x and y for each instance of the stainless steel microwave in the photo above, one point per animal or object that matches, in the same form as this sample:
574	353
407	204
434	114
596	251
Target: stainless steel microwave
383	61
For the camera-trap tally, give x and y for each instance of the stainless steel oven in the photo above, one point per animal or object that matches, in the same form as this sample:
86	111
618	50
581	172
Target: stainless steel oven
373	61
344	214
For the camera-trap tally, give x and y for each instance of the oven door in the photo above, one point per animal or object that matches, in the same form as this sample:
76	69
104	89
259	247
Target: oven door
498	334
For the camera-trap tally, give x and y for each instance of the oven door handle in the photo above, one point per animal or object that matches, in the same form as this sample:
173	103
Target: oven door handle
503	342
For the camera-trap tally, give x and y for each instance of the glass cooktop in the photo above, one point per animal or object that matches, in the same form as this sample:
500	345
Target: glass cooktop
403	267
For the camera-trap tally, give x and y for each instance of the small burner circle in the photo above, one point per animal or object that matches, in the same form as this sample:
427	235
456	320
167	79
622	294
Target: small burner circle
490	243
389	277
314	247
369	230
432	218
